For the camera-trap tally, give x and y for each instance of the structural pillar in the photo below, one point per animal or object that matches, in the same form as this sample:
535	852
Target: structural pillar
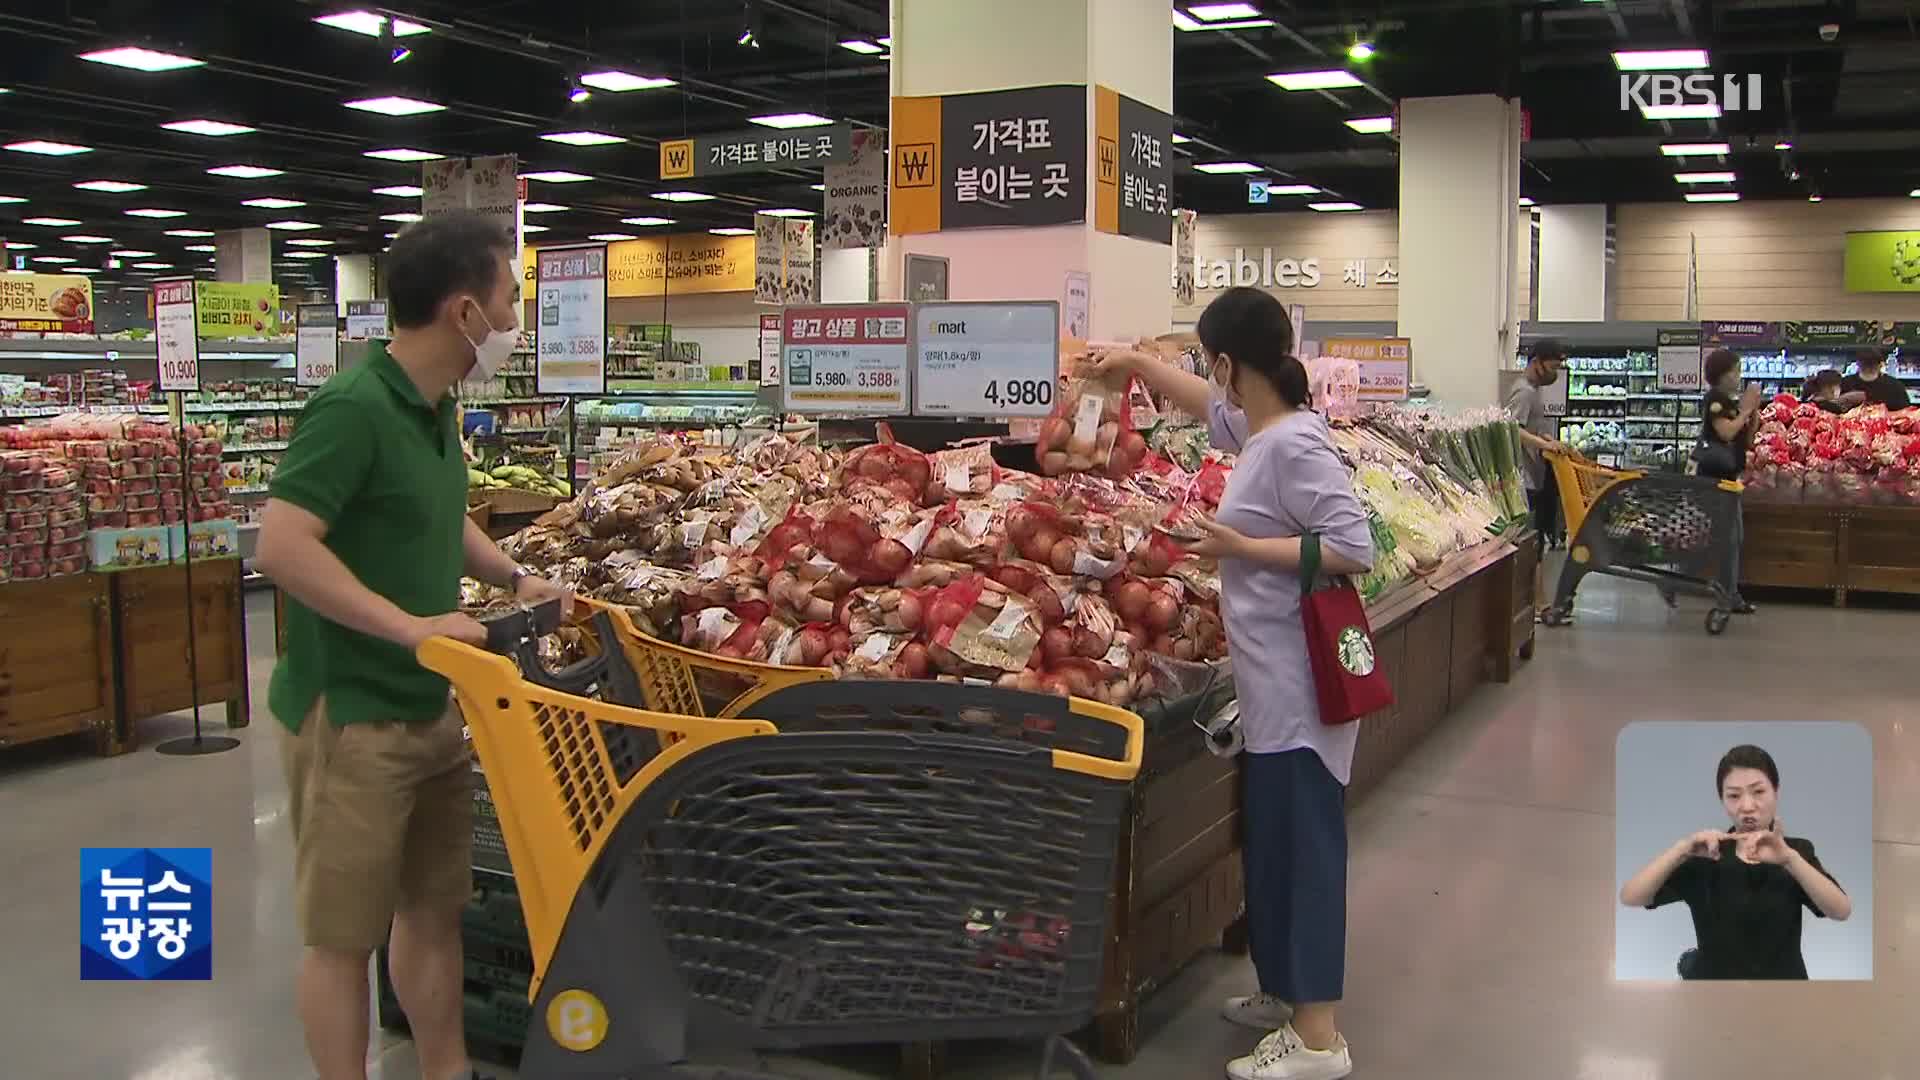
1459	216
1573	263
943	47
243	256
353	280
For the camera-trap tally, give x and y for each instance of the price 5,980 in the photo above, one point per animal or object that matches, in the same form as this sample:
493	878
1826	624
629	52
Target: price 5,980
1015	392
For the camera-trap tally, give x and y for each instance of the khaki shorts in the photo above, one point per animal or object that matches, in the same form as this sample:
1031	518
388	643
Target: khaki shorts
382	820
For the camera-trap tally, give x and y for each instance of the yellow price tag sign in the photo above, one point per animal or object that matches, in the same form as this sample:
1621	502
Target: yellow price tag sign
576	1020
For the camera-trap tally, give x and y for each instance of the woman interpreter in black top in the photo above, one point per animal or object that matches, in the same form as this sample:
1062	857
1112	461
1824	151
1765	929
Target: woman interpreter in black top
1744	887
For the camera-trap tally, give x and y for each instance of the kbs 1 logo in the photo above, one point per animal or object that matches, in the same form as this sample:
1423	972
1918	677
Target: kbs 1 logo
1652	92
146	914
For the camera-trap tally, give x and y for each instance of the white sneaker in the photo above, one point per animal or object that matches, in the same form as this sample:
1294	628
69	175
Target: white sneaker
1282	1056
1261	1012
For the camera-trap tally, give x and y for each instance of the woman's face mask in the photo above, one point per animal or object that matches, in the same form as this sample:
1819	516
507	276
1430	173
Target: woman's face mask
1223	377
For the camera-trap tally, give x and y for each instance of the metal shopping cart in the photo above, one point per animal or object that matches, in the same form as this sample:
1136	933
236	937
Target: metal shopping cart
1680	533
882	863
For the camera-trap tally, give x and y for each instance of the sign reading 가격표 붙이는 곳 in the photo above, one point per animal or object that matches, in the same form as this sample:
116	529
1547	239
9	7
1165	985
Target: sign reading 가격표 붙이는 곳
1004	157
1133	168
757	150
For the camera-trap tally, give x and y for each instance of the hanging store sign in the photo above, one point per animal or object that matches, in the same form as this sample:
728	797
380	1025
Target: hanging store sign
1133	168
846	358
1184	224
1679	356
490	185
1850	332
769	350
175	334
1386	365
1741	335
754	151
367	320
1883	260
986	359
769	259
800	281
570	327
856	203
1005	157
46	303
316	345
238	310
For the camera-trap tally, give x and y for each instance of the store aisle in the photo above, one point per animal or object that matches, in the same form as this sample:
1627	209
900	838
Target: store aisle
1482	897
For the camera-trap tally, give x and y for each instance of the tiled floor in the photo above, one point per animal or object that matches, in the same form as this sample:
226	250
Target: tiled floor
1481	887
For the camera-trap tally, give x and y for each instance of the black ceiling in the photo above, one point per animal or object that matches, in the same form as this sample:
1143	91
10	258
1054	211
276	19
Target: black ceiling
1851	107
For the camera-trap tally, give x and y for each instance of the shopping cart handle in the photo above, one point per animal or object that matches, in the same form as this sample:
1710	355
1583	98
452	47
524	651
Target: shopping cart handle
507	629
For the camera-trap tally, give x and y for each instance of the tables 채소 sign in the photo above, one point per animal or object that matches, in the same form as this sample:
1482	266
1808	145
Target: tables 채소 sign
570	327
846	358
986	359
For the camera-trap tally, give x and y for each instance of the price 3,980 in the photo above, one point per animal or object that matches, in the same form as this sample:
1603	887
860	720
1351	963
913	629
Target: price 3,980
1014	392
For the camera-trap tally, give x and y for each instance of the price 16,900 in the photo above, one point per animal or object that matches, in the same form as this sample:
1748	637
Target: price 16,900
1016	392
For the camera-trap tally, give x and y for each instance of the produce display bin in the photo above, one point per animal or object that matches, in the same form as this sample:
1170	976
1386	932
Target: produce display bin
1834	547
676	679
150	609
57	663
955	886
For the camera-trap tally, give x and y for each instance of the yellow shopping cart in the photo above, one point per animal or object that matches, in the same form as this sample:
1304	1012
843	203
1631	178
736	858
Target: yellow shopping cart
1677	532
862	862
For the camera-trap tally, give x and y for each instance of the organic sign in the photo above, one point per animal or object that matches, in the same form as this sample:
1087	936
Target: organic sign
47	303
236	310
856	203
754	151
1133	162
1004	157
490	185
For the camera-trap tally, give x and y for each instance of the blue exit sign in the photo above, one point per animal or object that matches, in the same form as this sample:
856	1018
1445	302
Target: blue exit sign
1256	193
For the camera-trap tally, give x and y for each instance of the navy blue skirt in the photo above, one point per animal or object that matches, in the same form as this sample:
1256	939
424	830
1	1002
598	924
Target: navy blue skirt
1295	853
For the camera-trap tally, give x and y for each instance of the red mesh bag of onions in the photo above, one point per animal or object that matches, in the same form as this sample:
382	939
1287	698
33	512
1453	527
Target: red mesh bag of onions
794	530
858	546
901	470
1091	431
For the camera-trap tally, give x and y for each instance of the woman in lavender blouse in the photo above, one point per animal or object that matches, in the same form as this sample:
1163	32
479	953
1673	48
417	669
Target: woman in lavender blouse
1288	481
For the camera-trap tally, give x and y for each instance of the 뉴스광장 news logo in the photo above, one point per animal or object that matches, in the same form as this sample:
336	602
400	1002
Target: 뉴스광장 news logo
146	913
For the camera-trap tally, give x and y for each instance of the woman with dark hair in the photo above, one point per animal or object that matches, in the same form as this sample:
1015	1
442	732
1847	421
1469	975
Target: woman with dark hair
1727	418
1871	381
1288	482
1745	886
1822	390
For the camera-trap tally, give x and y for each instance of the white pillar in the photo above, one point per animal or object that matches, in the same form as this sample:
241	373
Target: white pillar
1573	263
843	275
1459	194
353	280
243	255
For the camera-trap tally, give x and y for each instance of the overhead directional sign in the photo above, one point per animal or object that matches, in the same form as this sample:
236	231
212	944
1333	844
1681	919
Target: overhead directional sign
755	151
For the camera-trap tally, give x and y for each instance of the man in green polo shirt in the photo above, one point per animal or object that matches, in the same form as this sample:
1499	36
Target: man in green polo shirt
366	531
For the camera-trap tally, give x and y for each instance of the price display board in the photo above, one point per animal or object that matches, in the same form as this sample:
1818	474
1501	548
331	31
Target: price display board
1386	365
367	320
769	350
570	312
316	345
986	359
1680	358
176	334
846	358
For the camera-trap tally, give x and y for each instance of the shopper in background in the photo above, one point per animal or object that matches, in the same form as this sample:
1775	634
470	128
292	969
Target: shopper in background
1728	415
366	531
1873	383
1288	481
1745	886
1823	391
1538	435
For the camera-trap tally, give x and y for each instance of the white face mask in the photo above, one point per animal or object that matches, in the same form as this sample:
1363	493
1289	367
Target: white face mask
491	353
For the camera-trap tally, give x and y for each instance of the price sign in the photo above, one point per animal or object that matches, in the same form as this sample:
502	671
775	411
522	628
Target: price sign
769	350
570	309
316	346
1680	359
1385	364
846	358
366	320
176	333
974	359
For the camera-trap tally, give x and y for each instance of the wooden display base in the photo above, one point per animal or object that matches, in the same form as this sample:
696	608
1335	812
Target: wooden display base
1831	547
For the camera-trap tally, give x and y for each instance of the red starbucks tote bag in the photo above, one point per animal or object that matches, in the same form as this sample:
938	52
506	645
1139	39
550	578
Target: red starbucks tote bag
1346	675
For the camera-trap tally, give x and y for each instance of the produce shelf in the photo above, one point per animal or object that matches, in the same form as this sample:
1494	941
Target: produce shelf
254	448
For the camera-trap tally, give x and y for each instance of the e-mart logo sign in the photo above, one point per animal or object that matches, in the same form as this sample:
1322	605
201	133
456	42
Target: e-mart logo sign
1646	90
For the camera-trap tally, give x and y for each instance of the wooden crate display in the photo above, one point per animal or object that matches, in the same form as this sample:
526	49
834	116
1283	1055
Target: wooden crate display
151	608
56	662
1842	548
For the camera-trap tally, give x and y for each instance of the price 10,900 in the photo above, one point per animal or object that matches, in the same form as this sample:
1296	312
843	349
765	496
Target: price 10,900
1017	392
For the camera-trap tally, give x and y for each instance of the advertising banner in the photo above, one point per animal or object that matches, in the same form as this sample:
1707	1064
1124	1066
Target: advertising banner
856	204
570	327
1845	332
1741	335
316	345
1184	222
986	359
46	303
758	150
1004	157
238	310
680	264
1386	365
800	281
1883	260
1133	167
769	258
1680	355
846	358
490	185
176	337
367	320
